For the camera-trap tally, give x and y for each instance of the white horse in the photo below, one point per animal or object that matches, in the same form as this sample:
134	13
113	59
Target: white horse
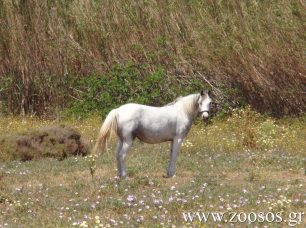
153	125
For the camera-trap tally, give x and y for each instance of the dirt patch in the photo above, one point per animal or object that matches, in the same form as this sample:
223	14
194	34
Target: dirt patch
235	176
55	141
239	177
288	175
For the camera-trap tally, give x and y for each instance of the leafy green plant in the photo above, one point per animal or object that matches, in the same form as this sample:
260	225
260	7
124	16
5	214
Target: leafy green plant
130	83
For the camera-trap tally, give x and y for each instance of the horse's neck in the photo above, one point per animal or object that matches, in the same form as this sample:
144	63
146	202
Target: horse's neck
188	104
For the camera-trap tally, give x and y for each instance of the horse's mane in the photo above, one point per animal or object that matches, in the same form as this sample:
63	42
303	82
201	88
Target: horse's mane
188	102
174	101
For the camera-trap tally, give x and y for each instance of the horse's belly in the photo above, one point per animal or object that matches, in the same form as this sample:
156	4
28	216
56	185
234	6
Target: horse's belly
154	136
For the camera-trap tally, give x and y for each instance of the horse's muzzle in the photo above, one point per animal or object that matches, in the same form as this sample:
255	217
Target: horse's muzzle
204	115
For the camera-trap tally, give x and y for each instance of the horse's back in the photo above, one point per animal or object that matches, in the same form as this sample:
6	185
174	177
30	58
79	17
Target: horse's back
139	108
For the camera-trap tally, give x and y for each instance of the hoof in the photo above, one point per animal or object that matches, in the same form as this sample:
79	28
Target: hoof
123	177
169	176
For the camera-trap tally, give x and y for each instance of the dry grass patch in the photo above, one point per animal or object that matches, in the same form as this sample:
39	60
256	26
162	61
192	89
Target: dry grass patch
55	141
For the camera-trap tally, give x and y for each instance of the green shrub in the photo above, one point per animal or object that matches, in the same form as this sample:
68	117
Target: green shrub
128	83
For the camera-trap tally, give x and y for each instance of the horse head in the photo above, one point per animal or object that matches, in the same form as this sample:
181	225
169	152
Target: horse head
204	103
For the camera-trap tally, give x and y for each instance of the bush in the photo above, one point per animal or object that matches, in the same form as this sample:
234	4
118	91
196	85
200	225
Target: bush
247	130
56	142
128	83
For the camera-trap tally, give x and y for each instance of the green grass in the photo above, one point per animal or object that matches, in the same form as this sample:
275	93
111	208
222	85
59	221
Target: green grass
243	163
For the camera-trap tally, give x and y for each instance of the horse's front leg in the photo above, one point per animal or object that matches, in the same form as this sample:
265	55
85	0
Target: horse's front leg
175	148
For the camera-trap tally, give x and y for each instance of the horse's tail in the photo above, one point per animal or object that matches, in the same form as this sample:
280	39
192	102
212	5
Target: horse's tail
110	125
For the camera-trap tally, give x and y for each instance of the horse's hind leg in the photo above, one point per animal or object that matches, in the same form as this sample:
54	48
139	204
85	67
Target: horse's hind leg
122	149
175	148
118	156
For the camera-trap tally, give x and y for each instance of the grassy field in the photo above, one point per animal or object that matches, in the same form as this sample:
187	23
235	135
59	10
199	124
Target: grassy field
243	163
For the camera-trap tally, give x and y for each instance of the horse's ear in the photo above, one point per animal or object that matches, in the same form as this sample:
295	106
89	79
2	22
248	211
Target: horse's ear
209	92
204	92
